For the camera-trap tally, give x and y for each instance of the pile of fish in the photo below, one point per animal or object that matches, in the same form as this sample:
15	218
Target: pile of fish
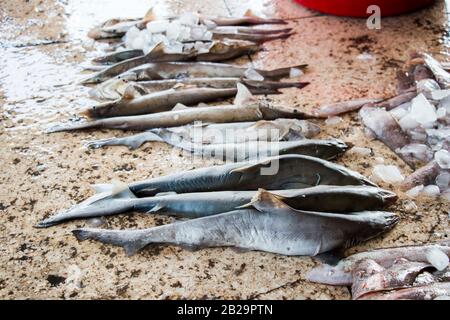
418	272
278	191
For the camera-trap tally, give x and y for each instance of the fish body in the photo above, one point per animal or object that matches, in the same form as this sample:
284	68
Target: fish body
269	226
423	176
342	199
218	51
294	171
441	75
214	133
135	104
254	37
175	118
324	149
177	70
114	89
341	274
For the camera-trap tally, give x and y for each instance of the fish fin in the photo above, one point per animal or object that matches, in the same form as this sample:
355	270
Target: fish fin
102	187
179	106
149	15
157	50
156	208
165	193
251	167
130	92
128	240
249	13
243	95
331	258
264	200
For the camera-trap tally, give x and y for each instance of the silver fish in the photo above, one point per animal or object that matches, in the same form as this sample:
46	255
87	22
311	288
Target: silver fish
114	88
341	274
176	70
214	133
341	199
270	226
133	103
218	51
175	118
294	171
324	149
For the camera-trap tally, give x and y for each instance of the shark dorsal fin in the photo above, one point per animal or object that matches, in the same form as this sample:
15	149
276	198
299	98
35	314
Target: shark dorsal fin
149	16
243	95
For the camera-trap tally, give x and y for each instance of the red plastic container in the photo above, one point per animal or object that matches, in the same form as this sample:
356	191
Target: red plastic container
358	8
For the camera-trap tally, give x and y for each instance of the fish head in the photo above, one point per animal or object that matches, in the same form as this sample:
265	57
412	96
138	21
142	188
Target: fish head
382	221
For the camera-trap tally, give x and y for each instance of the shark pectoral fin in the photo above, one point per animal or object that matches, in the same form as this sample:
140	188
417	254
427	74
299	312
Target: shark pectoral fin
331	258
165	193
102	187
243	95
156	208
251	167
179	106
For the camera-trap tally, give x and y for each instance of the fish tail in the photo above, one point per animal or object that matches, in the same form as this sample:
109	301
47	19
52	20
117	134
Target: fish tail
81	126
132	142
109	200
130	240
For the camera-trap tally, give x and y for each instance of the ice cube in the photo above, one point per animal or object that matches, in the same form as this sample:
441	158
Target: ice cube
414	192
361	151
431	191
400	111
387	173
138	43
442	157
208	35
365	57
174	31
130	36
197	33
209	24
333	121
158	37
437	258
441	113
158	26
295	72
418	151
252	74
189	18
174	47
439	94
408	122
422	110
427	86
443	180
